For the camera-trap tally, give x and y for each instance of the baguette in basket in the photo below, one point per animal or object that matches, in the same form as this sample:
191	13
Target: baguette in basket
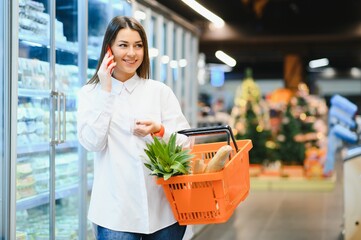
216	164
219	160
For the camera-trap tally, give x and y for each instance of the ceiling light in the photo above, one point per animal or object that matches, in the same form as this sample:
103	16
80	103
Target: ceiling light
328	73
182	62
355	72
318	63
164	59
173	64
217	21
153	52
140	15
226	58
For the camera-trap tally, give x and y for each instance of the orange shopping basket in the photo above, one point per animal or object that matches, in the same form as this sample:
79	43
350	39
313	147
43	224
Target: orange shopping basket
210	197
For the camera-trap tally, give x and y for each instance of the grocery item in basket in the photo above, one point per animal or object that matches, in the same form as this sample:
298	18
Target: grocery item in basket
167	159
198	166
219	159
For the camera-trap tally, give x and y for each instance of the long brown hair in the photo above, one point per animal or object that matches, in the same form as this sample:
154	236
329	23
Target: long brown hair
114	26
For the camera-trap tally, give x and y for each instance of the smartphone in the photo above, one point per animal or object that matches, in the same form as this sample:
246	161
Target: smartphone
110	54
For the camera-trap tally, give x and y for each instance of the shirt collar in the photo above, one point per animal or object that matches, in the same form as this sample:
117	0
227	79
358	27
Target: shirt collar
129	85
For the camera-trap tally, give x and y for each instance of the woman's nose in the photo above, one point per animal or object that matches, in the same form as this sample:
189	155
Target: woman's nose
131	51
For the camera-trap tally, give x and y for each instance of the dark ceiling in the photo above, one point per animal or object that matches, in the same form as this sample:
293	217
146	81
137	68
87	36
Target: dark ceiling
259	33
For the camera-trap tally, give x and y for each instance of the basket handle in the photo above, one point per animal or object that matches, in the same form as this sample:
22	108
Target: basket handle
211	130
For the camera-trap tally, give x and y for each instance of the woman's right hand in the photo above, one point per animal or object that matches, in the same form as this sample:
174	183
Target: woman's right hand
105	72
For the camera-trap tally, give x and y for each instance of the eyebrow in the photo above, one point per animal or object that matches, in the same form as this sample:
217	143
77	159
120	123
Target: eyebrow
123	41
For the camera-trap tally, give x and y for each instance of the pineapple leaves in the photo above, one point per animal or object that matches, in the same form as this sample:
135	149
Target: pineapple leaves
167	159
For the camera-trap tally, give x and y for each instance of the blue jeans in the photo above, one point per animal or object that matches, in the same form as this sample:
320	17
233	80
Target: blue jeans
172	232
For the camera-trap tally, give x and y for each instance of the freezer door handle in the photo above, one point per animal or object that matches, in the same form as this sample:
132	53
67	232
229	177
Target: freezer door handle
55	103
63	96
60	118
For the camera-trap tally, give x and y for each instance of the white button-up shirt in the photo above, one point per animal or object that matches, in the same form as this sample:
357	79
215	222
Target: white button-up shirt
124	196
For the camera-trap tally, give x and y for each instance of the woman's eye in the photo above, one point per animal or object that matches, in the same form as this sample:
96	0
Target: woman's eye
139	45
122	45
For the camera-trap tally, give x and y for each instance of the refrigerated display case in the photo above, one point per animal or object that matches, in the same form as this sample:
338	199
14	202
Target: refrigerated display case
50	171
52	48
47	162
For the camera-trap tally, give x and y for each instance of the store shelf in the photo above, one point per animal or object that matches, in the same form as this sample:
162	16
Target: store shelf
38	93
40	41
71	47
44	147
23	92
43	198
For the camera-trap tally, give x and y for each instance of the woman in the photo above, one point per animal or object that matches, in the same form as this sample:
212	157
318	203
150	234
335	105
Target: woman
119	110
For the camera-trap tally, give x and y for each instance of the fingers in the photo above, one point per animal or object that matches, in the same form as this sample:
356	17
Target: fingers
111	67
108	63
145	122
144	127
140	131
105	71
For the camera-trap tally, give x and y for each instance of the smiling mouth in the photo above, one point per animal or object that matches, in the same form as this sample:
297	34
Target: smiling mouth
130	61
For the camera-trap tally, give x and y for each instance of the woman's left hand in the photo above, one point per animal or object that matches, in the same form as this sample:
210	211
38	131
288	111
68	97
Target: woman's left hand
144	127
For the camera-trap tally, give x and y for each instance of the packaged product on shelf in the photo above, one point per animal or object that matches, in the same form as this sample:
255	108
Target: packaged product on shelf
34	5
59	31
22	128
31	126
70	127
25	186
23	170
21	235
40	128
41	173
21	113
22	140
42	182
73	72
32	19
62	78
34	138
33	74
40	165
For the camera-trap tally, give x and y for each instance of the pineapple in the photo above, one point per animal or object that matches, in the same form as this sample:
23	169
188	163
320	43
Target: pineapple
167	159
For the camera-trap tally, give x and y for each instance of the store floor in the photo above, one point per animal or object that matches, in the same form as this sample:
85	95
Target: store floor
284	215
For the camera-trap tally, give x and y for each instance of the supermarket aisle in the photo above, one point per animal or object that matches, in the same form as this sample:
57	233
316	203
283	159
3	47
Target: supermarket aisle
284	215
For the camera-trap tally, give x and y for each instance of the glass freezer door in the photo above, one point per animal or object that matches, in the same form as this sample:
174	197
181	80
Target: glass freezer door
33	123
54	174
66	84
47	151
